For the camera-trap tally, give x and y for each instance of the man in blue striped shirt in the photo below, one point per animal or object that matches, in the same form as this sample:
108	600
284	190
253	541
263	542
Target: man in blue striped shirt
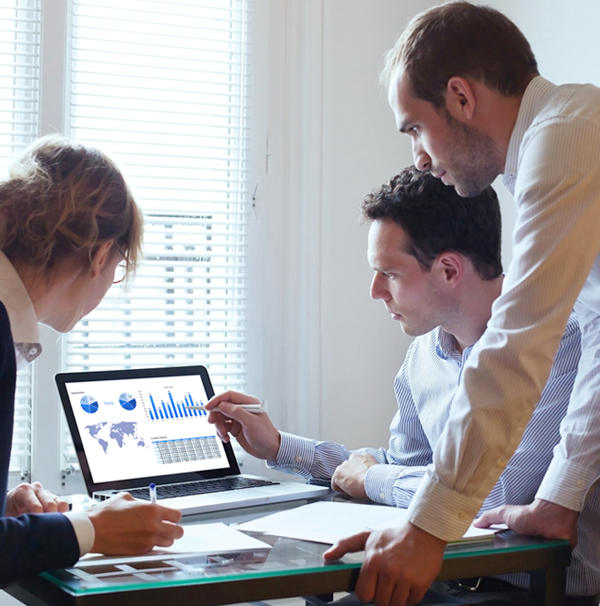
437	268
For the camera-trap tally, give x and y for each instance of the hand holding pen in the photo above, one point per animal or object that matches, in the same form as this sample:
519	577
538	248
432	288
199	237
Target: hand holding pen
254	432
124	526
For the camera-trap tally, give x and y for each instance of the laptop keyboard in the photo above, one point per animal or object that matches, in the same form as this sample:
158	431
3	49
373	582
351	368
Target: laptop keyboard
202	487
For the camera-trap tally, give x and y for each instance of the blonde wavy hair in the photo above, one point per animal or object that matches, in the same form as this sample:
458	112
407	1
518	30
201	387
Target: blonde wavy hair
63	199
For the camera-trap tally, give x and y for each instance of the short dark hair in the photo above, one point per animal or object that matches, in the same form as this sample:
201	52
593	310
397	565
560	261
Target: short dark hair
461	39
436	220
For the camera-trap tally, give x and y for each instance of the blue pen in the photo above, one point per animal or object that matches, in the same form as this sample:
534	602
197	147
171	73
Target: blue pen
152	491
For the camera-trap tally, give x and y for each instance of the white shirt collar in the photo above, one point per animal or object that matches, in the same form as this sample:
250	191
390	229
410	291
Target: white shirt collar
23	321
447	346
534	99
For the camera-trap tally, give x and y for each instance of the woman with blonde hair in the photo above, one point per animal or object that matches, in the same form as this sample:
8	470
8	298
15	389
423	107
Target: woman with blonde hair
67	220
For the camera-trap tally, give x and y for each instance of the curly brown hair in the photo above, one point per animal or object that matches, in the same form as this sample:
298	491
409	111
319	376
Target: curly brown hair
436	219
63	199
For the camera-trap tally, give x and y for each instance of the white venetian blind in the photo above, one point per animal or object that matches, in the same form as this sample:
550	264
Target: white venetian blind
161	86
19	100
19	74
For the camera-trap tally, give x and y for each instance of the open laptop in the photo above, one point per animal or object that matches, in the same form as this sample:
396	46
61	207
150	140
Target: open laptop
132	428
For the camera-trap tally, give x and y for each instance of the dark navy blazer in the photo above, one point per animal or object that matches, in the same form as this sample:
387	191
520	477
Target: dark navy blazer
30	543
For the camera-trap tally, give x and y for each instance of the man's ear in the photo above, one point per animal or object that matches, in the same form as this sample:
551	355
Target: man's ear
460	99
451	268
101	257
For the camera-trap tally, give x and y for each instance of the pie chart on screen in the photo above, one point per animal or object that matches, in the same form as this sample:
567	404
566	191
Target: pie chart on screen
89	404
127	401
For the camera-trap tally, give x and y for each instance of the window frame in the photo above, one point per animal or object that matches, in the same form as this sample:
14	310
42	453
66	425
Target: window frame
45	443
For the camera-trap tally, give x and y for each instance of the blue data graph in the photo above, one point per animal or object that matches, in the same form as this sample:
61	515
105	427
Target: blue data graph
171	409
89	404
127	401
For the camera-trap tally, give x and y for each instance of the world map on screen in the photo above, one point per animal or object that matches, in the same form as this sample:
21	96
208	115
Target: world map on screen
121	434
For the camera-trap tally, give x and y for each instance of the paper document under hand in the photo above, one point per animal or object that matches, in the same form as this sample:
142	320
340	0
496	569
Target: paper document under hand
206	539
328	522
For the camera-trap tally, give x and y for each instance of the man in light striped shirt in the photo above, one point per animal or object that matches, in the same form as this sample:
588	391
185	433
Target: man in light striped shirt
437	268
464	85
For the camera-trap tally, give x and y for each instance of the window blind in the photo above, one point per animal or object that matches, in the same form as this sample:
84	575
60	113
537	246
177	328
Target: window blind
19	74
19	118
161	86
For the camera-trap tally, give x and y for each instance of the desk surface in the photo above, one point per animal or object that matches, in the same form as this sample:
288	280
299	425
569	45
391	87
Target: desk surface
290	568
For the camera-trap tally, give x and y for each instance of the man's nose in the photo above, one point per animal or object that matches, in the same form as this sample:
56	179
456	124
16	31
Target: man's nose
422	159
377	290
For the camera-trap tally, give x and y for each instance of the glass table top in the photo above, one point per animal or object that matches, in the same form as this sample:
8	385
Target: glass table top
285	557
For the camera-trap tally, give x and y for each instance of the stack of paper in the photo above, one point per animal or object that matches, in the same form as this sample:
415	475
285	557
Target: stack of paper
328	522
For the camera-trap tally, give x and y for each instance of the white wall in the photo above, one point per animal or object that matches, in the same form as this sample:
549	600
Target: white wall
362	347
330	353
564	37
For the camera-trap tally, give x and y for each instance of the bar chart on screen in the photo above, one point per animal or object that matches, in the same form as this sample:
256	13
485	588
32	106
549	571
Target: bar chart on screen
173	409
144	427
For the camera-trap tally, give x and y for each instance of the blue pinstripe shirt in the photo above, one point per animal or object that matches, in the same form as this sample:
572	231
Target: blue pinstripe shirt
425	386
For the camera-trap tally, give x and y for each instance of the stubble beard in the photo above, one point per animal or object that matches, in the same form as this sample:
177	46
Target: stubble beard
476	161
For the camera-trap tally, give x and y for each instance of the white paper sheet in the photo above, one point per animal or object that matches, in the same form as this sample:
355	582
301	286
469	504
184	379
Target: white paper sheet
328	522
197	538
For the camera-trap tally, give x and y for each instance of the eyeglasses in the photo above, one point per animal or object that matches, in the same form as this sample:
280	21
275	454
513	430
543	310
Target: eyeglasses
120	272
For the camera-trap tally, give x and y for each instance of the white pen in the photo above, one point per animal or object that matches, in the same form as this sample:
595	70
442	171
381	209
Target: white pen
152	492
255	408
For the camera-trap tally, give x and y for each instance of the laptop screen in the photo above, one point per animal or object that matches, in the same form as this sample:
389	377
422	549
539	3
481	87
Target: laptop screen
136	424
